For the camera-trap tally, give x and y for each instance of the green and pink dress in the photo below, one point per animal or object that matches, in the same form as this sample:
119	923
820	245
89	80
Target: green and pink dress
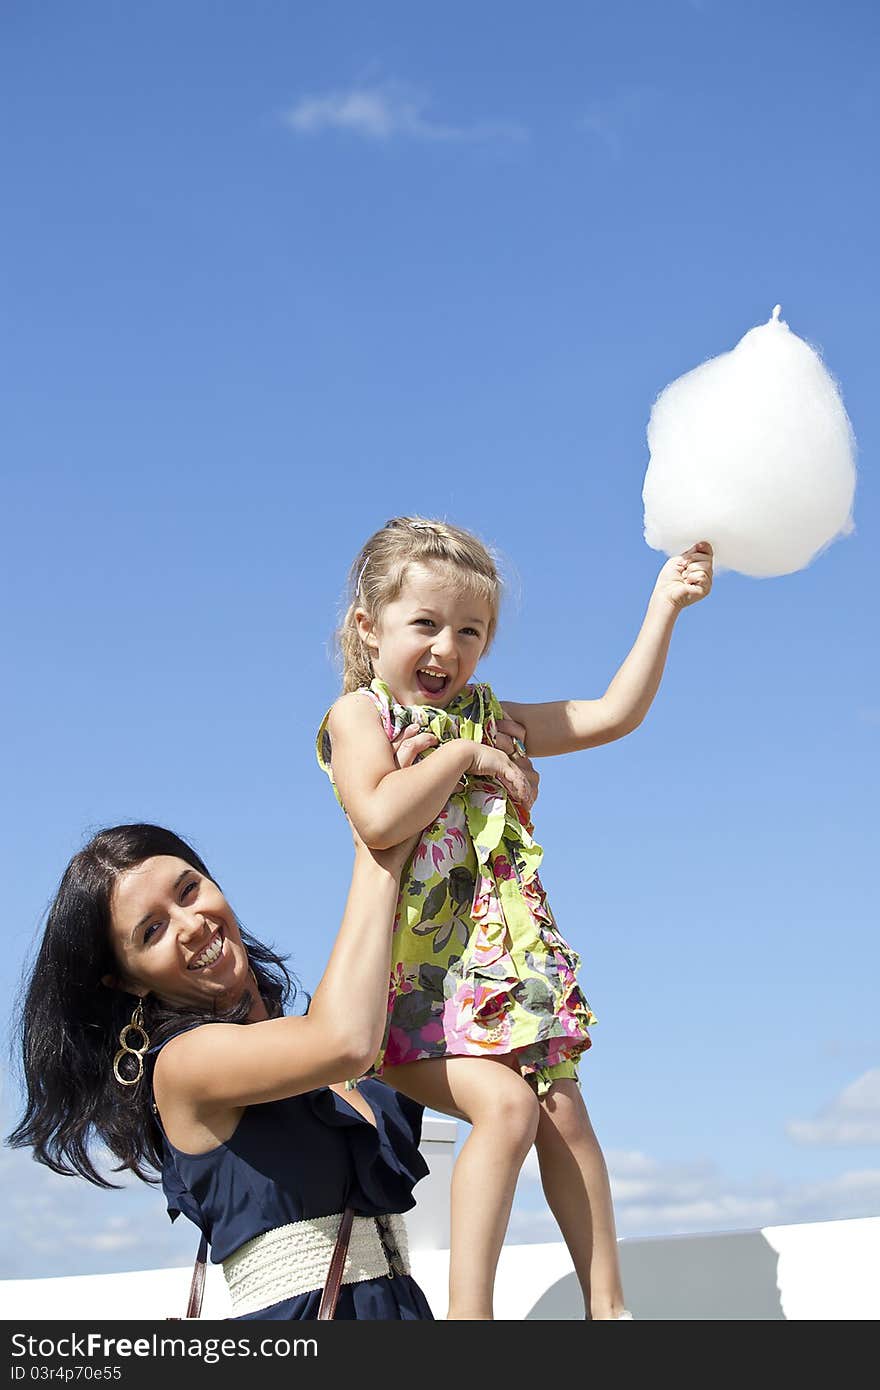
479	967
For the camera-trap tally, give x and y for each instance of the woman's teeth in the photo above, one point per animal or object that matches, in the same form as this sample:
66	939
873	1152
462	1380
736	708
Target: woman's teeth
210	953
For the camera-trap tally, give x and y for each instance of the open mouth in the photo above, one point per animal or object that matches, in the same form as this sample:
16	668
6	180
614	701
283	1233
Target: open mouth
431	681
211	954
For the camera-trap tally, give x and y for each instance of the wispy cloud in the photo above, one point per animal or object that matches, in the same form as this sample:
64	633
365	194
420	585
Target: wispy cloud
653	1198
54	1225
853	1117
386	111
611	121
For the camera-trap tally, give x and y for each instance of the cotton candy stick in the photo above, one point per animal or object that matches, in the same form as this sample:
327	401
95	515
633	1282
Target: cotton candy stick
754	452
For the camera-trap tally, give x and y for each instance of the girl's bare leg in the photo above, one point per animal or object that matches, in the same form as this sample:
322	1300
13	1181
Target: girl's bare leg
503	1111
576	1186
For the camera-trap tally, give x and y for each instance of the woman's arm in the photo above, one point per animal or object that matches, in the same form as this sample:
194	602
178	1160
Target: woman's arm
387	803
567	726
223	1066
209	1073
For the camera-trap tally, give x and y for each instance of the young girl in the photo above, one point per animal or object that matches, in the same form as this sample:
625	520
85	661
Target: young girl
486	1020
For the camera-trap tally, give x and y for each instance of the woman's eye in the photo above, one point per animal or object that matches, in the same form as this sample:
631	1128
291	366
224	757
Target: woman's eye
422	622
470	632
188	887
151	930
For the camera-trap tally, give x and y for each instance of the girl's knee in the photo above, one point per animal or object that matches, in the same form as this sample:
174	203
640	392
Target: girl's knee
513	1111
563	1108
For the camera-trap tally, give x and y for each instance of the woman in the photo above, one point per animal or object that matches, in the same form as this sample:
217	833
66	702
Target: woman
153	1023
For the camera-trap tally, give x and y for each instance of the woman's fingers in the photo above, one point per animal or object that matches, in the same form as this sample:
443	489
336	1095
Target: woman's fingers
510	726
510	737
532	776
522	788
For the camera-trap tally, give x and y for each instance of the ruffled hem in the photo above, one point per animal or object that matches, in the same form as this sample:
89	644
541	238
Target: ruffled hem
495	1011
549	1050
386	1159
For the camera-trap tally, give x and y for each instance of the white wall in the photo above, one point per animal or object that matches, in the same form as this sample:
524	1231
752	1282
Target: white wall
825	1271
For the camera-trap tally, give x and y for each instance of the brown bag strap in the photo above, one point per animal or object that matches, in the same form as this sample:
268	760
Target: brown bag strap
197	1287
329	1297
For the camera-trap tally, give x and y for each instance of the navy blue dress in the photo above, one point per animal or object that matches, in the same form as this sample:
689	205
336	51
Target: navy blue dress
306	1156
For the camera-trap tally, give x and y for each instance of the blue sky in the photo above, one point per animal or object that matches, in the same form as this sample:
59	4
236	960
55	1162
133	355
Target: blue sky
274	273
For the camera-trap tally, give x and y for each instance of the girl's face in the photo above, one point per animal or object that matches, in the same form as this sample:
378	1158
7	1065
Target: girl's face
426	644
174	935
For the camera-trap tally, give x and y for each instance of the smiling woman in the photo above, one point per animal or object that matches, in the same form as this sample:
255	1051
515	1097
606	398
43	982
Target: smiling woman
154	1025
185	946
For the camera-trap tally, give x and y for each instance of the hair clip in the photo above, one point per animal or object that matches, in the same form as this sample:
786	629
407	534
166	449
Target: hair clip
360	576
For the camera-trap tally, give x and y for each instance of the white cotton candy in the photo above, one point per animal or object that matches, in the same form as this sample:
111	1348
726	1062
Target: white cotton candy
754	452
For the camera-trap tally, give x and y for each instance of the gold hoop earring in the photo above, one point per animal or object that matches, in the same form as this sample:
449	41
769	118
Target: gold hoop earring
135	1025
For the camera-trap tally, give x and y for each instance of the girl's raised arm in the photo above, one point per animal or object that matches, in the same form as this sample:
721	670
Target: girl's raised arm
567	726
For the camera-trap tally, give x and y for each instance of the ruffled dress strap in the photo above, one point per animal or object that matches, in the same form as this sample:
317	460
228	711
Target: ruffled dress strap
386	1159
178	1197
473	715
381	698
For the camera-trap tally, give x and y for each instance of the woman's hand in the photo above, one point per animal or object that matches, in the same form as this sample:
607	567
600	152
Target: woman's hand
516	775
510	737
687	578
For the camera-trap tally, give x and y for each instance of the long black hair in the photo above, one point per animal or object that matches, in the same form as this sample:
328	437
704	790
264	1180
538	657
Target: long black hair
70	1020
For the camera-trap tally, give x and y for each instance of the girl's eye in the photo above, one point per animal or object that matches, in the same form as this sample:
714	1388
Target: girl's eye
151	930
422	621
470	631
188	887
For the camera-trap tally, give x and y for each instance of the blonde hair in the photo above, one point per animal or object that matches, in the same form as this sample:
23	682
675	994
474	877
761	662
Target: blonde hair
380	570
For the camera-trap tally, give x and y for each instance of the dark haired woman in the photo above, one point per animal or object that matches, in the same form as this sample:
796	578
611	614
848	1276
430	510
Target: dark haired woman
242	1110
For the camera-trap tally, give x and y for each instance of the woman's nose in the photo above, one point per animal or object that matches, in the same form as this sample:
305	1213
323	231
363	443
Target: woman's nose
192	925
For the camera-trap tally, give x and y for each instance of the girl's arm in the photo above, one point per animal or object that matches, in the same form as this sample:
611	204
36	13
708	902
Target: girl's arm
566	726
386	803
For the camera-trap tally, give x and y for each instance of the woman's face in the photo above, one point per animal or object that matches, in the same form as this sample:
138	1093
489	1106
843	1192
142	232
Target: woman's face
174	935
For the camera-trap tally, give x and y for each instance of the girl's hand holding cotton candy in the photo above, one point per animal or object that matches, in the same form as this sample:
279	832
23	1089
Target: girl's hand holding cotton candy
687	578
753	450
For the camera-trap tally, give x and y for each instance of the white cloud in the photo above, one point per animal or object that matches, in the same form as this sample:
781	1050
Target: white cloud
654	1198
54	1225
108	1240
853	1117
612	120
385	111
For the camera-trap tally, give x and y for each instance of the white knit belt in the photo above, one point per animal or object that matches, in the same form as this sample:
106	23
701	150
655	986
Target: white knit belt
295	1259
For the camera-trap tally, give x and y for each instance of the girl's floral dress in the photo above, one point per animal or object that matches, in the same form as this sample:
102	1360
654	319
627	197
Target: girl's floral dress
479	967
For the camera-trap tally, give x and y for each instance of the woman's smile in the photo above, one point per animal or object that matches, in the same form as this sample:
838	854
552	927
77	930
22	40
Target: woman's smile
211	953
